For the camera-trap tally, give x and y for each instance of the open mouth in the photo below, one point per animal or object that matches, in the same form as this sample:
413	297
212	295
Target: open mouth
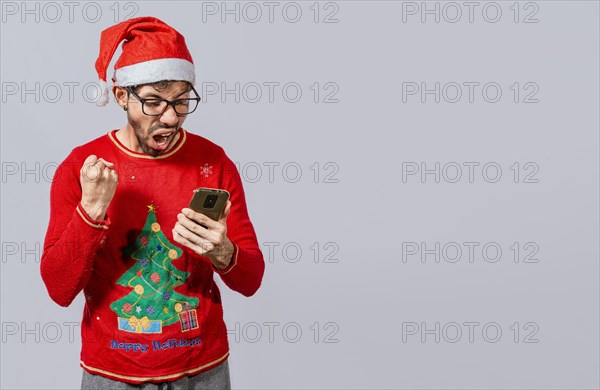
162	140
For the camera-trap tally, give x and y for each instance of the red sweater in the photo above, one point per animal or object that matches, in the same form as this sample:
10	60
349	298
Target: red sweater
152	312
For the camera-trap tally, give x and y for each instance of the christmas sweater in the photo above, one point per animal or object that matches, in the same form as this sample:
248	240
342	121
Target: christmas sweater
152	311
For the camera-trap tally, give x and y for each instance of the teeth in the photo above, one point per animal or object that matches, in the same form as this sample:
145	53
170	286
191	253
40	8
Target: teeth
162	139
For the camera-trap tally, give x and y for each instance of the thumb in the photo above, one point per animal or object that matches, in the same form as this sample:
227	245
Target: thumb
107	163
225	212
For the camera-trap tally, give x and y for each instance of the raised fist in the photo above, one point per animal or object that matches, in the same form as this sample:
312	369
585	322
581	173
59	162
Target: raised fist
98	185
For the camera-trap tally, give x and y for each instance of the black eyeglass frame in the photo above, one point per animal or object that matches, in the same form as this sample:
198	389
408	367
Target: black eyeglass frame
169	103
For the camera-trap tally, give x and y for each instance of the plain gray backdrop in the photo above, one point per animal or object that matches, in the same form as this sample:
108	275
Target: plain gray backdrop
409	242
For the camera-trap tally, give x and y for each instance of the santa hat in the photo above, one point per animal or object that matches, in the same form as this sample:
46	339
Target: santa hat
152	51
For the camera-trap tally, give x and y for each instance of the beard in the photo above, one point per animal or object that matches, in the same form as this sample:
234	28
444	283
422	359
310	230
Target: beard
144	137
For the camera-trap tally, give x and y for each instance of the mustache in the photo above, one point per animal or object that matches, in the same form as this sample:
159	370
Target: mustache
160	127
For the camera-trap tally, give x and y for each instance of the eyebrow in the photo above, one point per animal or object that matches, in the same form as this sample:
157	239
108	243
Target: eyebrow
154	95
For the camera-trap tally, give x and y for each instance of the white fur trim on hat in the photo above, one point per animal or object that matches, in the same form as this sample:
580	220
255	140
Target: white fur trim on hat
155	70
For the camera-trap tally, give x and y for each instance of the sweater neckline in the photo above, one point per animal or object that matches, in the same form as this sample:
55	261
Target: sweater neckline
112	135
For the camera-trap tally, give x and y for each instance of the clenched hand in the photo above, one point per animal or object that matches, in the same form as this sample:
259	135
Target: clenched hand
98	185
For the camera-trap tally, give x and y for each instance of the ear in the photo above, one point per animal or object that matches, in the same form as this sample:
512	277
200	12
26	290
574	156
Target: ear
121	95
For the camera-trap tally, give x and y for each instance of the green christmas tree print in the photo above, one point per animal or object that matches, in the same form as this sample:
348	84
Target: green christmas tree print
153	302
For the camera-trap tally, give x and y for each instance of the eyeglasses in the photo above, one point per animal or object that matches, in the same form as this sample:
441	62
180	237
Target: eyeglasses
157	107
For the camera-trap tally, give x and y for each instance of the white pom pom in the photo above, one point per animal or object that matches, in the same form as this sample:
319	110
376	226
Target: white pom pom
104	97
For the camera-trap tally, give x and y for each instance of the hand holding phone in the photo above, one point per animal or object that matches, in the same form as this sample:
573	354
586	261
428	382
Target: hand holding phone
212	203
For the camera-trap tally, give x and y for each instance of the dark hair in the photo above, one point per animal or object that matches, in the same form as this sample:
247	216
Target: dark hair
160	85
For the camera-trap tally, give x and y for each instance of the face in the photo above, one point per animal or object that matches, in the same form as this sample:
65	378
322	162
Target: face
155	134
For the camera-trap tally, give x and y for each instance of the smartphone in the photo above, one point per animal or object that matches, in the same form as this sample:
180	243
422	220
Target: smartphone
210	202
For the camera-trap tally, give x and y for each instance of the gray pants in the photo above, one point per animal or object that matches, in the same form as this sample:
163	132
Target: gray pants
216	378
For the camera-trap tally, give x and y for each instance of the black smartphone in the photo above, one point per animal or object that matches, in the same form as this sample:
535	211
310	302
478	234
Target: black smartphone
210	202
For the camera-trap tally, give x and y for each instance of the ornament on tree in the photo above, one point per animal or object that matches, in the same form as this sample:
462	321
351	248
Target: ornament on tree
153	274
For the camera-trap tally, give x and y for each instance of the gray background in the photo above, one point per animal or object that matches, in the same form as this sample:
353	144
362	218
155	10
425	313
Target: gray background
367	317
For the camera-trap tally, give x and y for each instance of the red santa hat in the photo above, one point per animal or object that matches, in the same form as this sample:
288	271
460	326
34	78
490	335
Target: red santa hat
152	51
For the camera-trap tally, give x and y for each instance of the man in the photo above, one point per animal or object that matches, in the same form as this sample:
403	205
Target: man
120	229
